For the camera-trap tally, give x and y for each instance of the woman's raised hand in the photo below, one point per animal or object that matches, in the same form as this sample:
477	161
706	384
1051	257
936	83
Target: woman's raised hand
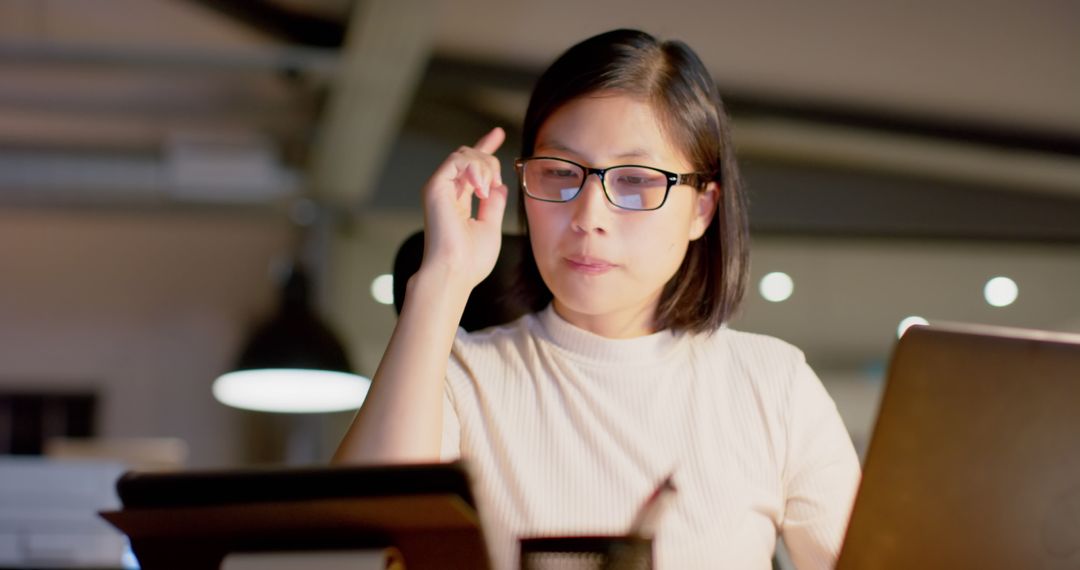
458	246
401	420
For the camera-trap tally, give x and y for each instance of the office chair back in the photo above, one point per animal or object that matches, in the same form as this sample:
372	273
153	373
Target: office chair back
503	296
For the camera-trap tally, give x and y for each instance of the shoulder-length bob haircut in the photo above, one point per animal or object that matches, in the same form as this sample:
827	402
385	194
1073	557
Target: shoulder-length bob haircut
706	290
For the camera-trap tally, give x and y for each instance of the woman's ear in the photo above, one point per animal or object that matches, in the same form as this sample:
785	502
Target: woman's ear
704	209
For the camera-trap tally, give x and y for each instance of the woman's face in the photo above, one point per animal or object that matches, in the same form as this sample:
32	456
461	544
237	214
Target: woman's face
607	266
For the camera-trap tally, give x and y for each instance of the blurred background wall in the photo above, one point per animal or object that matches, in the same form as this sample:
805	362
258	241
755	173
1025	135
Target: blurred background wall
161	159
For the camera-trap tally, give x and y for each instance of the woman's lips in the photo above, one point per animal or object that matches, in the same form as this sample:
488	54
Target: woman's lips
589	265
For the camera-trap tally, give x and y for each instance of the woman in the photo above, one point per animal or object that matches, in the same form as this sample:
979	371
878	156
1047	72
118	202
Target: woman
571	416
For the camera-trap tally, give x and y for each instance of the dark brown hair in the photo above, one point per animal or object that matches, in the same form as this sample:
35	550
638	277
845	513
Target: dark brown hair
708	287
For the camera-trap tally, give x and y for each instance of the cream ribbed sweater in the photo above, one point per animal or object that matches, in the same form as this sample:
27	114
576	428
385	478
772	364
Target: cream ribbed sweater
566	432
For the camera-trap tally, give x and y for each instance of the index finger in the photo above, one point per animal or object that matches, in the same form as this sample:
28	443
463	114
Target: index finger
491	142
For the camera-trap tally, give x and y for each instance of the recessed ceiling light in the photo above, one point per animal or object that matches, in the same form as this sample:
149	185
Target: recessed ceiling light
776	286
382	289
909	322
1001	291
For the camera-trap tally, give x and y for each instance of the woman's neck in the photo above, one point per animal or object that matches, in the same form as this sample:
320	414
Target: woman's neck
619	324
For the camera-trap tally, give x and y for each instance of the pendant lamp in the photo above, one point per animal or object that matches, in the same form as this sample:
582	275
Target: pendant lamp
293	363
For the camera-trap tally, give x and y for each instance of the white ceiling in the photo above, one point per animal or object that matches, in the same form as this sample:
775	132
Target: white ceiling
998	62
131	74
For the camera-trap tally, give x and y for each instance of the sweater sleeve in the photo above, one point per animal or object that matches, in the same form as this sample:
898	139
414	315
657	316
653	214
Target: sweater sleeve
451	422
451	430
821	474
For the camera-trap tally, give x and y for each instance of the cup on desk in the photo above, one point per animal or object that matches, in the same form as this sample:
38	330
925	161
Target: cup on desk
623	552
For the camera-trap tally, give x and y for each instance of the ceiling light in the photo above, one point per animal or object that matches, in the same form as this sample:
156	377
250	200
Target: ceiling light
293	363
382	289
909	322
776	286
1000	291
290	390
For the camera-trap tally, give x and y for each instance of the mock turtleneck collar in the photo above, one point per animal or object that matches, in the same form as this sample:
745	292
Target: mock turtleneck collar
592	346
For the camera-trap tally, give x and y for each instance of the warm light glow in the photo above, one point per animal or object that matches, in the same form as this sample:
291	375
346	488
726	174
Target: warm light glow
908	322
382	288
1001	291
291	390
776	286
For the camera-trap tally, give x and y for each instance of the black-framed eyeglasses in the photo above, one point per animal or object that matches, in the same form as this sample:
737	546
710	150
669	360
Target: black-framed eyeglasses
627	186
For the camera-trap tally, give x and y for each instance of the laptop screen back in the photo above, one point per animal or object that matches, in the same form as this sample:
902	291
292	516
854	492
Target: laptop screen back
975	459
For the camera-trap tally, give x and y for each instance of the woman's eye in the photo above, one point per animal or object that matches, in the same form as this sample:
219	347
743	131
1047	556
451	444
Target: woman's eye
559	173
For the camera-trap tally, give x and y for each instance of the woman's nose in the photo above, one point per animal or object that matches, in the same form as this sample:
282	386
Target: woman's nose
592	211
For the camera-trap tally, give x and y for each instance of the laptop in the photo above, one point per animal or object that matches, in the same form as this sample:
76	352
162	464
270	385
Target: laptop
975	458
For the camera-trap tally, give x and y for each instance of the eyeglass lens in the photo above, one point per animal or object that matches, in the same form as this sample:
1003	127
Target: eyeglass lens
630	187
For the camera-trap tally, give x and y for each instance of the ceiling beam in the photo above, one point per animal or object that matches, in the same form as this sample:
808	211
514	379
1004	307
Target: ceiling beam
455	75
385	54
280	22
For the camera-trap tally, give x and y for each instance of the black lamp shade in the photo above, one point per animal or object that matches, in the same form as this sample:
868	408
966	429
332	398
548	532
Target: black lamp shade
295	337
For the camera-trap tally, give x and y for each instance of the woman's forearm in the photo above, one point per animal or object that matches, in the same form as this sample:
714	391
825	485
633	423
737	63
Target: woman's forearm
401	419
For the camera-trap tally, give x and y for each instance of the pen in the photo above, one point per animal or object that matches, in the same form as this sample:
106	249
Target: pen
650	512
